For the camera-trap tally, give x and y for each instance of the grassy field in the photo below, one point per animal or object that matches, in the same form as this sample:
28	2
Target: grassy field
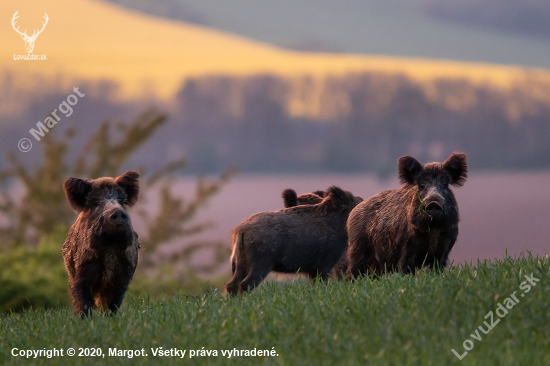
392	321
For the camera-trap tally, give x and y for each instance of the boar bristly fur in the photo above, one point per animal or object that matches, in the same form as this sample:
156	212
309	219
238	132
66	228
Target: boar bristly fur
410	227
101	249
309	239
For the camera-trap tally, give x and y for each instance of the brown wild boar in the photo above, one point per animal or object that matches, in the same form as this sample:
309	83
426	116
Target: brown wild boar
291	199
308	239
101	249
410	227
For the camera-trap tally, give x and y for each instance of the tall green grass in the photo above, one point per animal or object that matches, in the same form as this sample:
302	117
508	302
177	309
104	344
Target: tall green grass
395	320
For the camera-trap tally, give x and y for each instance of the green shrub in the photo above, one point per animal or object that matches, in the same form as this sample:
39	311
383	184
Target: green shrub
33	276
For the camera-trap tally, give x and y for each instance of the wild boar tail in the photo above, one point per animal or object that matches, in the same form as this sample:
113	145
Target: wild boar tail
236	246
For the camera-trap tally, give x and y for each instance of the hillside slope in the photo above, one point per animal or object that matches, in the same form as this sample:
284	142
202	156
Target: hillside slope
396	320
411	28
150	56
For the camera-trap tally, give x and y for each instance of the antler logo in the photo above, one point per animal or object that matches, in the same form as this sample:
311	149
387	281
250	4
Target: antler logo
29	41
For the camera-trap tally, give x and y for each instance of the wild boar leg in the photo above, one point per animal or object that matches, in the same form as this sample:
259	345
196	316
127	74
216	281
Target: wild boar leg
118	295
239	274
254	278
444	248
82	293
359	265
406	263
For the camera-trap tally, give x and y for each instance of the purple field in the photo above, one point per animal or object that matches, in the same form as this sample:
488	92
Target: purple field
500	212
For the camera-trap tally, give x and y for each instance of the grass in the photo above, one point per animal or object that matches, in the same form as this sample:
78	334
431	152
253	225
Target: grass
396	320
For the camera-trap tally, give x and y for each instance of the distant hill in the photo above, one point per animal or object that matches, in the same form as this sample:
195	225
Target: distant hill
171	9
524	17
494	31
151	57
235	101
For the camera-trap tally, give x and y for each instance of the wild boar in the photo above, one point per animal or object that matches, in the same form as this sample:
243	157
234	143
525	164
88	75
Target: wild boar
410	227
101	249
308	239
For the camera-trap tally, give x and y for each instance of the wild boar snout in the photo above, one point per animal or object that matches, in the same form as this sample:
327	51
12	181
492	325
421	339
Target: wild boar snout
115	217
434	202
434	209
118	218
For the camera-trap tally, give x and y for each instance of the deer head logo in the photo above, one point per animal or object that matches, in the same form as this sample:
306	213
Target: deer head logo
29	41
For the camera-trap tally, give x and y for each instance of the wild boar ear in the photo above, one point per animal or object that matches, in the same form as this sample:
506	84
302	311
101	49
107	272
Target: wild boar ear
76	191
338	196
408	169
457	166
290	198
320	193
129	181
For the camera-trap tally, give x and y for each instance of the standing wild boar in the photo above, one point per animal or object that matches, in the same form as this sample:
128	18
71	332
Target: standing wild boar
291	199
101	249
308	239
407	228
